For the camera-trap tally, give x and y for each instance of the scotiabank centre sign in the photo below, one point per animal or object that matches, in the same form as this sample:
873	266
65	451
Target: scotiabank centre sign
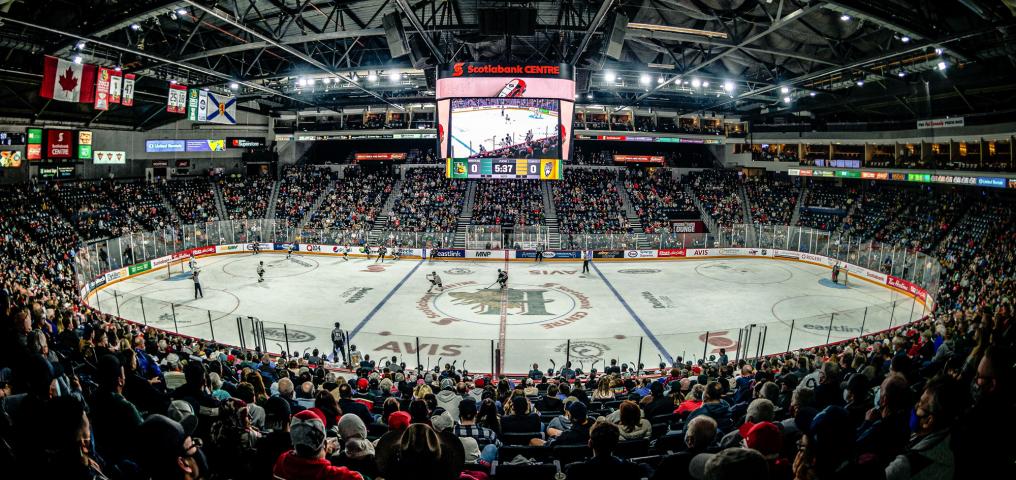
463	69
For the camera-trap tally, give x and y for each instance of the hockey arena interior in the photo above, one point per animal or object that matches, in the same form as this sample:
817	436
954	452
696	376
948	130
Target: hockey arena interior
450	239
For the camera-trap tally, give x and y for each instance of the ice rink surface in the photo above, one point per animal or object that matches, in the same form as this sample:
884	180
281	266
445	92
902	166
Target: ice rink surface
662	308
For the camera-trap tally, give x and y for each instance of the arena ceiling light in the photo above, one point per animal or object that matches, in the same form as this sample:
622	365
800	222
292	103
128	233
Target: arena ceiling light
728	86
77	59
659	80
812	94
372	77
905	39
234	86
860	83
80	46
696	83
705	84
672	29
784	90
644	79
844	18
942	66
786	99
609	76
395	76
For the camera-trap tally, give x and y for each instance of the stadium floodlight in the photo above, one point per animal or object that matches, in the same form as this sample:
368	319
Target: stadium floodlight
589	96
135	27
705	84
784	90
942	66
901	74
609	76
812	94
728	86
905	39
644	79
395	76
860	83
696	83
77	59
330	80
659	80
80	45
845	18
786	99
182	11
372	77
234	86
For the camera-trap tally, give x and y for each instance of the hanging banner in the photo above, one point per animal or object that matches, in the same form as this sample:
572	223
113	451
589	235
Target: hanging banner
127	98
115	84
177	102
102	89
204	106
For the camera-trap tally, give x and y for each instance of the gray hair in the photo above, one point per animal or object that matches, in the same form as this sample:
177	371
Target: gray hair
701	430
761	410
286	388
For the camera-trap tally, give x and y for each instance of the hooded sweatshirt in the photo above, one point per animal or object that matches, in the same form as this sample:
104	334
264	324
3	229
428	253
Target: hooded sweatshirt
291	466
449	401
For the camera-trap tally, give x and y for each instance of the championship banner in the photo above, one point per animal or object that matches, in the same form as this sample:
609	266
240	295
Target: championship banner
115	84
109	157
177	101
102	89
127	98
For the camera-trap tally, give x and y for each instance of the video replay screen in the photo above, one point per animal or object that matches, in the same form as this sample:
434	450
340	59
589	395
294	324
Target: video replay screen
505	127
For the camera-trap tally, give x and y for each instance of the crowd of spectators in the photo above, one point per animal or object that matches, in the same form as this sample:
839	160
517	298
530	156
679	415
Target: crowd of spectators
354	203
826	204
717	190
876	205
142	201
587	201
192	198
246	197
299	188
92	210
922	219
772	198
428	202
84	395
518	202
658	197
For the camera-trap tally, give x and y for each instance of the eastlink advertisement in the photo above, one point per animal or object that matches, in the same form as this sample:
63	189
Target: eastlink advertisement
449	253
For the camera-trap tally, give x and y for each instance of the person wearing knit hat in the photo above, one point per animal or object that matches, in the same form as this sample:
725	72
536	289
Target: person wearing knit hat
307	459
357	452
398	421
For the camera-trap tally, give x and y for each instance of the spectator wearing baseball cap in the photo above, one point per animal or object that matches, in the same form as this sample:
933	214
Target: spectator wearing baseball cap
169	453
307	458
577	434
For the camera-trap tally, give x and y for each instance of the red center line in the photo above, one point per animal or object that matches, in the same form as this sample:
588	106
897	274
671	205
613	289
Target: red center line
503	326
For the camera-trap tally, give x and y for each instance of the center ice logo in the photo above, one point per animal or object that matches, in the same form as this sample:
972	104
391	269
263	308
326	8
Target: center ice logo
516	301
549	305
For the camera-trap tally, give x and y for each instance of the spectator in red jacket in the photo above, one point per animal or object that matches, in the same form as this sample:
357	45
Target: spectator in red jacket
307	458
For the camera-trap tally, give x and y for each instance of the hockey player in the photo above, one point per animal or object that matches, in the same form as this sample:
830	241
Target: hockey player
836	273
435	281
381	252
587	256
397	252
192	263
255	248
502	278
261	272
539	253
345	253
289	251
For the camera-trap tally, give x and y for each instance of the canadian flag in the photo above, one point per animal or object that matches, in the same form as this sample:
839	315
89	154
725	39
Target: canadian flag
67	81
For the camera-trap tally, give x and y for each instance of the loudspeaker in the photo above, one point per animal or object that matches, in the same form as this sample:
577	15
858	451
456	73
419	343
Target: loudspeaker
395	34
615	39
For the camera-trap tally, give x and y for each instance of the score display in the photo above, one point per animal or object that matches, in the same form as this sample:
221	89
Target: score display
504	168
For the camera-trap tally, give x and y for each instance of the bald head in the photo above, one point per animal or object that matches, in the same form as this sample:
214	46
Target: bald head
700	432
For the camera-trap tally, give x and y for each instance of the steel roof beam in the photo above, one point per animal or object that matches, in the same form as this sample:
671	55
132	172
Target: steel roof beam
225	17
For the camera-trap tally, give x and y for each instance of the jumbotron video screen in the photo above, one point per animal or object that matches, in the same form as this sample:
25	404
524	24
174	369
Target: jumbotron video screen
505	121
506	128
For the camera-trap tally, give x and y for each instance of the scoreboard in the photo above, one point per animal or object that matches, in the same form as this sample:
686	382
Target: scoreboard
503	168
